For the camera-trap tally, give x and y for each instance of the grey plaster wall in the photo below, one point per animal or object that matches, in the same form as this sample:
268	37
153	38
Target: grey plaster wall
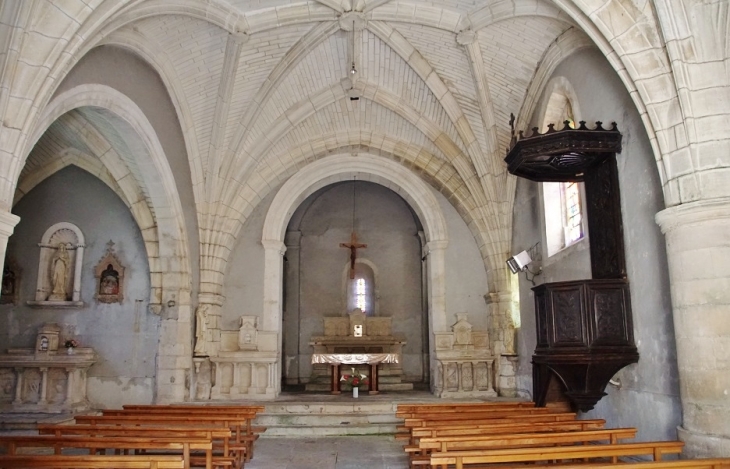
129	74
244	280
125	336
648	397
466	276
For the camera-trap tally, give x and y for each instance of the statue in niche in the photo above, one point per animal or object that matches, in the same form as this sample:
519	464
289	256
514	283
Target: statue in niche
109	284
59	273
202	325
43	347
110	277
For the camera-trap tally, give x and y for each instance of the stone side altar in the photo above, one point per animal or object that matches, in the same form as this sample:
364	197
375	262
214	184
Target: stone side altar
358	333
244	368
464	362
45	378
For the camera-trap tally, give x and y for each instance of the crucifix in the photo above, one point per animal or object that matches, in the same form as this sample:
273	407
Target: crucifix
353	246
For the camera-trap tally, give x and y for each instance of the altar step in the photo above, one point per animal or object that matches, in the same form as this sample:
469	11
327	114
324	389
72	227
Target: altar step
358	417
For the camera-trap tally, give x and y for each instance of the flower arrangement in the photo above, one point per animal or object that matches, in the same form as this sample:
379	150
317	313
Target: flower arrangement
355	378
71	343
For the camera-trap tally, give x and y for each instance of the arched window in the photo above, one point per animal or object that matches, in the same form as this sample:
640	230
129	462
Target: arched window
563	206
360	290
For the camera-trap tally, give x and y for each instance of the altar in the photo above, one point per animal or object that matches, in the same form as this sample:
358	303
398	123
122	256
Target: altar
348	337
338	359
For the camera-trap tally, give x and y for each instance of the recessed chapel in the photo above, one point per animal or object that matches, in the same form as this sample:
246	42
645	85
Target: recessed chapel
203	200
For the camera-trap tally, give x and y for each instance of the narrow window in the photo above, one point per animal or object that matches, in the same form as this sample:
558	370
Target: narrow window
360	290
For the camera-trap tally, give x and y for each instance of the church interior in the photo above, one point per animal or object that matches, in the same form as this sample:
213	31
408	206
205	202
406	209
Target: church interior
209	201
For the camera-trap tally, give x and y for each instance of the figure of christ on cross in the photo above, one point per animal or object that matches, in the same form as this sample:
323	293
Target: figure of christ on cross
353	246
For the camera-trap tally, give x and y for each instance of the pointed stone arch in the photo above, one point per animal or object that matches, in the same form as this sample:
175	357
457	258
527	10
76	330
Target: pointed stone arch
170	270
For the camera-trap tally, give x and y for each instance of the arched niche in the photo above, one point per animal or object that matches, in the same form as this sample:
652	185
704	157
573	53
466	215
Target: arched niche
59	267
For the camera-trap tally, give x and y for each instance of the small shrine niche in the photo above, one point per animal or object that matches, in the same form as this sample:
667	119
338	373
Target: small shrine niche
59	267
10	282
47	339
109	274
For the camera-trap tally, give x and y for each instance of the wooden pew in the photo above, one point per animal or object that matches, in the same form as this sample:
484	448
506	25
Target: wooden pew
244	413
249	411
505	428
99	445
405	431
238	448
419	454
714	463
91	462
461	459
411	410
221	437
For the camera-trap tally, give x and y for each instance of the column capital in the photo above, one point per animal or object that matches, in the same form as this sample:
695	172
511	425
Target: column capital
274	245
693	212
7	223
212	299
437	244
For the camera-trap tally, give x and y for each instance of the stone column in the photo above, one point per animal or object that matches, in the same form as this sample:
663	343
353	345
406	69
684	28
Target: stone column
273	282
18	399
436	300
698	251
292	354
44	386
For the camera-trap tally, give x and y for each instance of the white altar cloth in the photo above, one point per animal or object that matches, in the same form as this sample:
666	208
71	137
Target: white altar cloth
354	358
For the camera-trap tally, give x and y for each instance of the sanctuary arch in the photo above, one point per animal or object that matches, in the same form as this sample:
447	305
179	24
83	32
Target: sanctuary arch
339	168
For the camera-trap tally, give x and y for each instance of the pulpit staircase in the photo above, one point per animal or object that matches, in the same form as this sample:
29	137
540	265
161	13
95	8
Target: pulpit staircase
341	416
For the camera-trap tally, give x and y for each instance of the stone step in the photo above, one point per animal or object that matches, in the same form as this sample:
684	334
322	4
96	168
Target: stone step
350	417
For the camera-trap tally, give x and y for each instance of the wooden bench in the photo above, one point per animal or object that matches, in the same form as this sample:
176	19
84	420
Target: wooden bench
461	459
240	447
412	410
714	463
503	428
248	412
405	431
99	445
220	436
419	454
244	415
90	462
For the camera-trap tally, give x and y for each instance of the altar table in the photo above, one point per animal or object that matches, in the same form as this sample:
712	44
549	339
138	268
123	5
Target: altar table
337	359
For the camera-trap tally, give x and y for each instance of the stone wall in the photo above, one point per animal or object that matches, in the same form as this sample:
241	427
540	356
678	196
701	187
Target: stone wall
125	336
648	395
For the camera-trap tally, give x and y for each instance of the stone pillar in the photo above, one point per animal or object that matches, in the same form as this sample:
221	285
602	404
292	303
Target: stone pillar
273	282
44	386
436	299
292	354
18	399
698	251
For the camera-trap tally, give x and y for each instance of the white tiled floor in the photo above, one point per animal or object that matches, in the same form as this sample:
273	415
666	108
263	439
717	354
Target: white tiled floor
350	452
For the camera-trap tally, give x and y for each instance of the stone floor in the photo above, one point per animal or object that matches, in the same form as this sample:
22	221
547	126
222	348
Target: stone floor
350	452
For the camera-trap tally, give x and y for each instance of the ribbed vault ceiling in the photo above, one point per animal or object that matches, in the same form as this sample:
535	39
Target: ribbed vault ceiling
437	80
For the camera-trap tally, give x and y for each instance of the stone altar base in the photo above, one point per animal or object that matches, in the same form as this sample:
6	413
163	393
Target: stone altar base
390	378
